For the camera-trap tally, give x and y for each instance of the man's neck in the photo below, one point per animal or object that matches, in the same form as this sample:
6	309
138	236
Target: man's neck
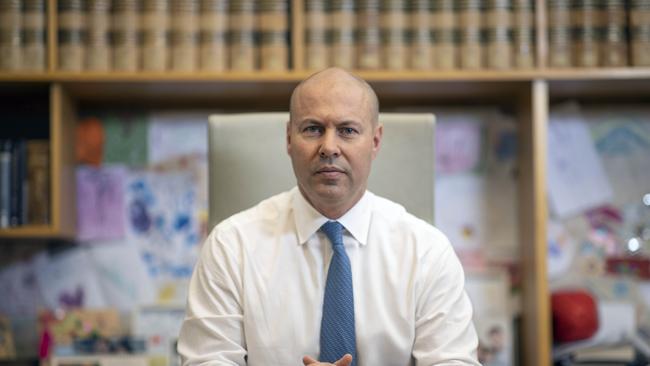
334	210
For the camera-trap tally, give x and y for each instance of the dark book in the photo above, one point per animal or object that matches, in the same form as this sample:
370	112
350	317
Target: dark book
5	182
17	185
38	182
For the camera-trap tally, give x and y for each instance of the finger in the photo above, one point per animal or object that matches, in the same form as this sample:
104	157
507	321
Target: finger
344	361
308	360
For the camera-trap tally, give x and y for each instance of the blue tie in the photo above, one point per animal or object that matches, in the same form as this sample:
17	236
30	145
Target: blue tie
337	336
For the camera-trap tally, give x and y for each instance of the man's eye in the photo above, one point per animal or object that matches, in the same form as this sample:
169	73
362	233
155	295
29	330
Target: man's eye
346	131
312	130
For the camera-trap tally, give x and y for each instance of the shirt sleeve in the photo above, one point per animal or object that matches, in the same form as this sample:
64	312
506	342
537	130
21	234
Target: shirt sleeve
212	332
444	332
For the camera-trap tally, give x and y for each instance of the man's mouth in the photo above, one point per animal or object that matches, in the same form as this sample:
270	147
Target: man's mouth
330	172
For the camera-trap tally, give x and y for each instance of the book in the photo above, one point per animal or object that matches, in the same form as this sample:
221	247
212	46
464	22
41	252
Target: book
639	15
154	23
419	38
522	34
273	34
622	353
241	30
38	182
613	49
315	35
368	39
34	30
17	184
11	39
471	49
71	21
584	30
124	21
184	35
97	53
498	25
5	182
340	34
559	33
393	33
213	50
446	35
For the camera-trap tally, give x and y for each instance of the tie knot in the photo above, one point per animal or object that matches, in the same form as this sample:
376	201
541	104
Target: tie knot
334	232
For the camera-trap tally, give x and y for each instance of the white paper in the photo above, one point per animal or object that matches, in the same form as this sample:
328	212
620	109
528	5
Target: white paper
478	213
164	220
576	178
122	274
20	291
69	280
177	134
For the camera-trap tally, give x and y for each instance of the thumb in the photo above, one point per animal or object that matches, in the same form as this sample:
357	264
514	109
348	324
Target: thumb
308	360
344	361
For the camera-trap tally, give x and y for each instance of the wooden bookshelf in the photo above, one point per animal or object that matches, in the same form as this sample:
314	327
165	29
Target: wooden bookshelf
528	92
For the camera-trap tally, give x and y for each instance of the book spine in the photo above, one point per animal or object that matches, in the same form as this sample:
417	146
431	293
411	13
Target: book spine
125	35
559	33
315	34
421	45
273	25
469	18
184	35
640	32
242	35
34	35
341	33
213	50
11	41
97	53
446	34
38	182
584	24
393	34
17	183
497	21
368	39
5	182
154	28
523	33
614	45
71	34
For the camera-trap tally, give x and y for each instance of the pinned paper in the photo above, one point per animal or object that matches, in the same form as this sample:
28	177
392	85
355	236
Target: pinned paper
176	134
126	139
20	291
100	203
163	219
68	280
122	274
576	178
458	146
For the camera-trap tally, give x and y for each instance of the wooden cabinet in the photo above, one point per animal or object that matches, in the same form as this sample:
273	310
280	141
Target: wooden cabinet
527	92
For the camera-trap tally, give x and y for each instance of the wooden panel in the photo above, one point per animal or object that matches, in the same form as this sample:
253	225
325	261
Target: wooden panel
533	215
62	168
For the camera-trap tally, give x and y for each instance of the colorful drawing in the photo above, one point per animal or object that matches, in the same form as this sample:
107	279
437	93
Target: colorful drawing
100	202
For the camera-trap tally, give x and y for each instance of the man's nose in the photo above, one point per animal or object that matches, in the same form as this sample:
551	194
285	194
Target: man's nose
329	144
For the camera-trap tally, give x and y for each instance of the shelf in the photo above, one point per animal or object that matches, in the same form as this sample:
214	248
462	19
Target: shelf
30	231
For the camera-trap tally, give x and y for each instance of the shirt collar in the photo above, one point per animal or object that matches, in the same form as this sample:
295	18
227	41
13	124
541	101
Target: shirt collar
356	221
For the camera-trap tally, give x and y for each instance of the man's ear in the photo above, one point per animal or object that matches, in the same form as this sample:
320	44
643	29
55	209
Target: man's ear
288	131
376	139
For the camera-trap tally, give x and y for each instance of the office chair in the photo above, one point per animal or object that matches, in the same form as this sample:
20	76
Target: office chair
248	162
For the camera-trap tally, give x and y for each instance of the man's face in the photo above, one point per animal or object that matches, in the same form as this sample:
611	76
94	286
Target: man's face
332	141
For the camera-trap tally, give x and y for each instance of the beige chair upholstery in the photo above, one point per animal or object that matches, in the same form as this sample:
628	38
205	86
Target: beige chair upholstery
248	162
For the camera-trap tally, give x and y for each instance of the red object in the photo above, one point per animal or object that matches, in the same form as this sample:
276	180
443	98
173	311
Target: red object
631	266
575	316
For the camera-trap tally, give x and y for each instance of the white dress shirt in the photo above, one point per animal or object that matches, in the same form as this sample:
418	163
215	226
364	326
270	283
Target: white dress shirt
257	289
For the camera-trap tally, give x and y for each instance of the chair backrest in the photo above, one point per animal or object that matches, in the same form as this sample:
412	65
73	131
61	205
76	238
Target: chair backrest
248	162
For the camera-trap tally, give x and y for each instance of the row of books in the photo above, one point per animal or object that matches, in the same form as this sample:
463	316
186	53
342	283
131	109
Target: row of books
24	182
597	33
419	35
22	35
178	35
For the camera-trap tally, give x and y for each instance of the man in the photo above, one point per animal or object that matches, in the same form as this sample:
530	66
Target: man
328	273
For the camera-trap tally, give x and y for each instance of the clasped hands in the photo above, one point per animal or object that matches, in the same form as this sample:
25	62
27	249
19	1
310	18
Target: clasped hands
343	361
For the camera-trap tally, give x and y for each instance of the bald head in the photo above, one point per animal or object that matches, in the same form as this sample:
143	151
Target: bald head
329	80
